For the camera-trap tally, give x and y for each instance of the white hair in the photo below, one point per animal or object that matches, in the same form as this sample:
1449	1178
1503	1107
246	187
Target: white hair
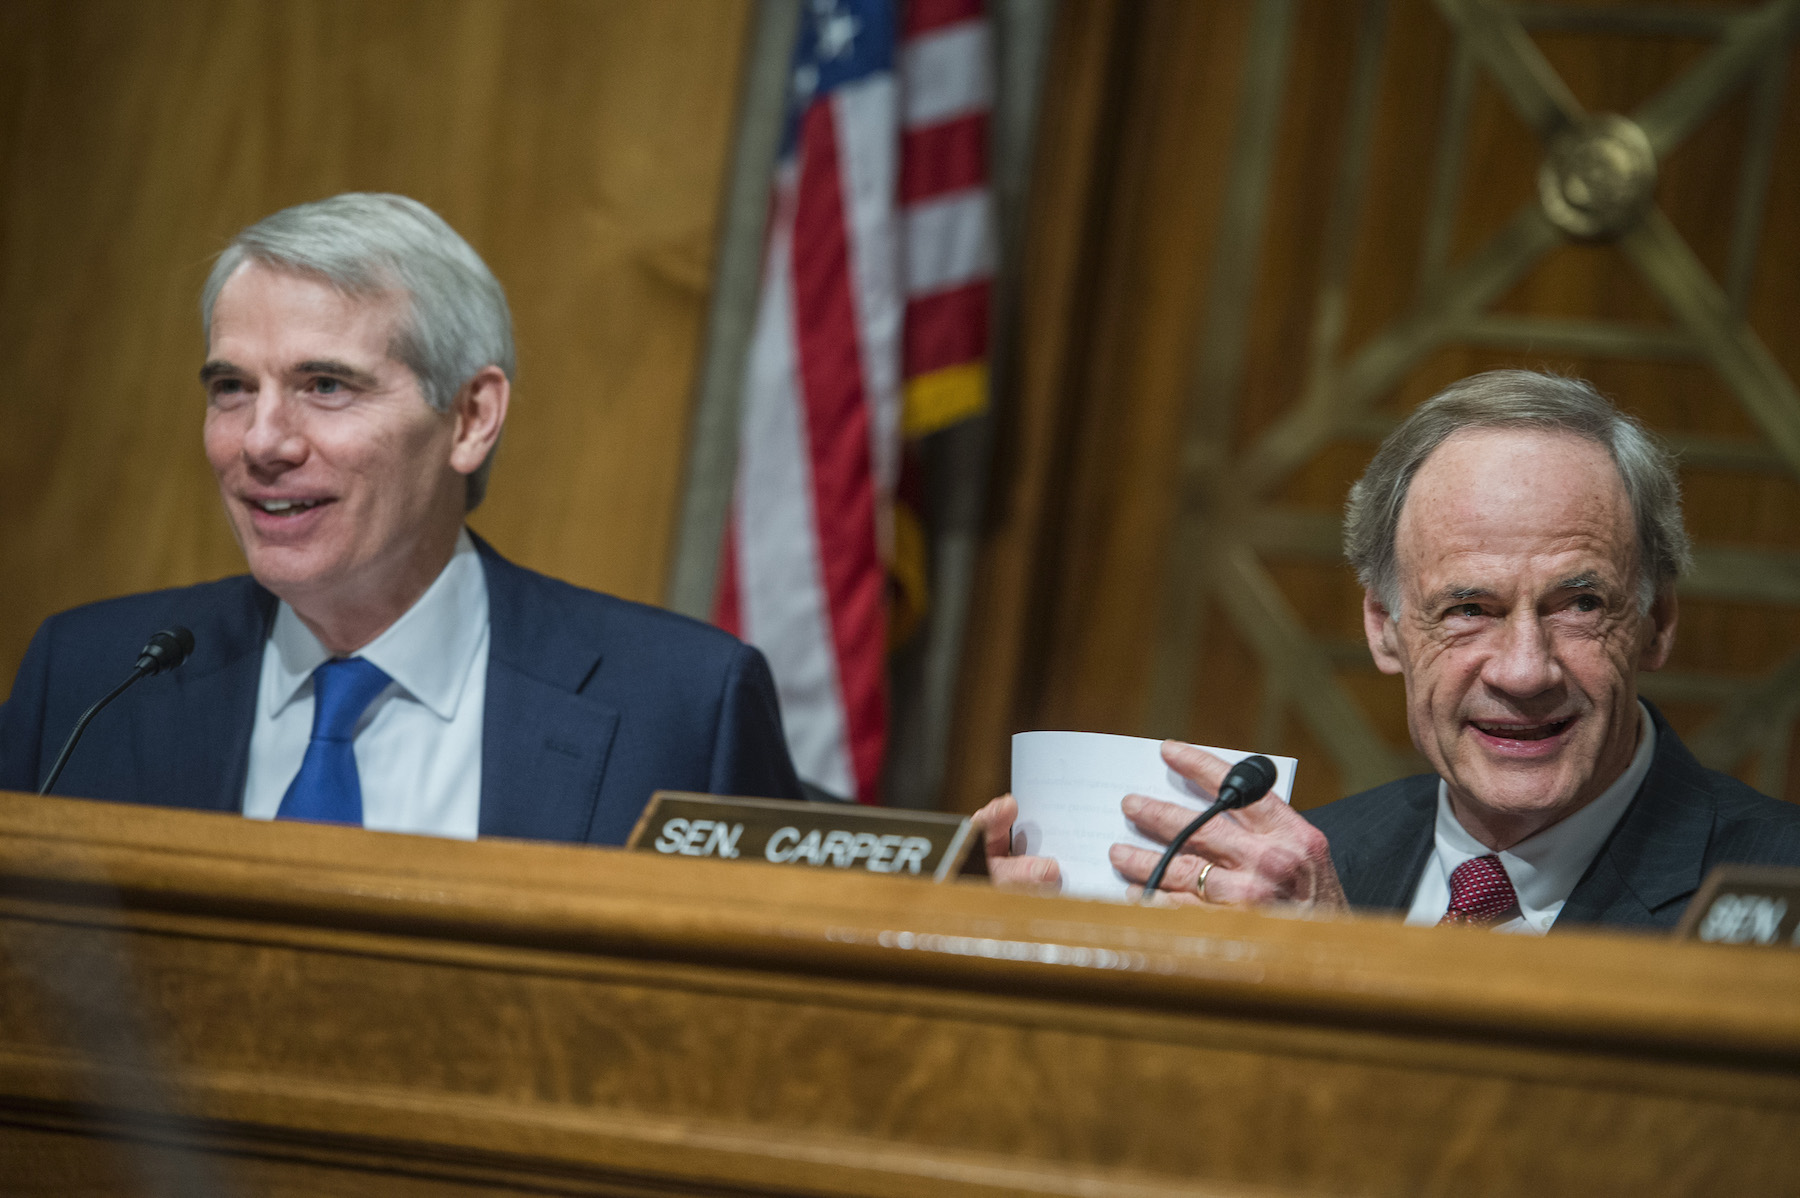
1518	399
366	244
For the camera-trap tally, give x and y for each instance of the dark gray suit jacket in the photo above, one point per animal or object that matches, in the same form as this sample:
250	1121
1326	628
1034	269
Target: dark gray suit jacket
1685	820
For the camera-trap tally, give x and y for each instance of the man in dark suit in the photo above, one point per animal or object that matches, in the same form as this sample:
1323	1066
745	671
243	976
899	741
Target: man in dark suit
1685	820
1518	540
380	665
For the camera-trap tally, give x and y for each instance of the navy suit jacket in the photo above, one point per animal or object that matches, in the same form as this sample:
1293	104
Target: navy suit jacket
1685	820
593	703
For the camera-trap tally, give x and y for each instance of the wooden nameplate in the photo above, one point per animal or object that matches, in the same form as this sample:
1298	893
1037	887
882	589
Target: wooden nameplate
821	835
1745	904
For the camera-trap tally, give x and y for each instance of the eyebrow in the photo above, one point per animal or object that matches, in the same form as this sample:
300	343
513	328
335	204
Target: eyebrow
1462	594
337	369
218	368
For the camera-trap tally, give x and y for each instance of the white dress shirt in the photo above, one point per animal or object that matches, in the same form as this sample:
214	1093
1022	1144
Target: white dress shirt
418	744
1545	867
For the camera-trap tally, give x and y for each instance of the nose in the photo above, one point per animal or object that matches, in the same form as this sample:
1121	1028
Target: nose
273	442
1524	662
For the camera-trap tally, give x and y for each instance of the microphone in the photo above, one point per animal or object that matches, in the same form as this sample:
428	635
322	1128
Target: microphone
164	651
1248	781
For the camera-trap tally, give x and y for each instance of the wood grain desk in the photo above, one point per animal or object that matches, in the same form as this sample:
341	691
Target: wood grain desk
195	1003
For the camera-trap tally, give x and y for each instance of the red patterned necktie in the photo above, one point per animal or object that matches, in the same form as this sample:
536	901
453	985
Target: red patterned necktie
1480	892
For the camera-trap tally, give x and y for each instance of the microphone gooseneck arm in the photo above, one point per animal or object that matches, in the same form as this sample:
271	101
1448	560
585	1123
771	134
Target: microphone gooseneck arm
165	650
1248	781
81	724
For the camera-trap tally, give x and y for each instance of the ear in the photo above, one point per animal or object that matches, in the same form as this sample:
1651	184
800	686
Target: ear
1384	638
480	411
1662	616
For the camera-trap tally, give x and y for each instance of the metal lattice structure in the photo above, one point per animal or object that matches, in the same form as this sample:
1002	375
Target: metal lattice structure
1596	183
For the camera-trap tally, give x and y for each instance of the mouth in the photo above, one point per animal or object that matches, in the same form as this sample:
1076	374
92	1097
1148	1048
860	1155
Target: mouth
1511	731
285	508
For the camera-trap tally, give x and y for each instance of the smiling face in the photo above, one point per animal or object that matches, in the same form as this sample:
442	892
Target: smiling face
344	487
1518	632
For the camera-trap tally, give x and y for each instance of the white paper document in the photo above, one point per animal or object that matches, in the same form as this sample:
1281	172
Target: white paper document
1068	785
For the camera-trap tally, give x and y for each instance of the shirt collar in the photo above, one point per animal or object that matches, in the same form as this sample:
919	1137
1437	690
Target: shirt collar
427	650
1545	866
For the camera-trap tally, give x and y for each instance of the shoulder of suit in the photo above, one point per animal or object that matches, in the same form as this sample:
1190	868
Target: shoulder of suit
621	623
1735	804
1399	799
1748	827
228	617
144	612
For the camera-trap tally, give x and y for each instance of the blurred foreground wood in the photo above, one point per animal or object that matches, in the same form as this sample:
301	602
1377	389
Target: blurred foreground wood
200	1004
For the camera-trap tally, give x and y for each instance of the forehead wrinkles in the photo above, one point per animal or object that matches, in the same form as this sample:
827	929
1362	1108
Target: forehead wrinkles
1511	502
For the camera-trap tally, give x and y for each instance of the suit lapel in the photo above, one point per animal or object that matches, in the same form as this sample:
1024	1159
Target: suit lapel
1386	857
544	746
193	741
1654	859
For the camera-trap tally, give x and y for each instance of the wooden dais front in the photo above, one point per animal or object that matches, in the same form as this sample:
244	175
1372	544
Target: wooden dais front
199	1004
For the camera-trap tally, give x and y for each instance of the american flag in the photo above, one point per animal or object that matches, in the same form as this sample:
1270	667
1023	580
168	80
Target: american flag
872	321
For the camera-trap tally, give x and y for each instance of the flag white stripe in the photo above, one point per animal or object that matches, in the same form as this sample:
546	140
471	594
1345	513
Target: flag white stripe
946	73
778	528
948	241
781	593
864	115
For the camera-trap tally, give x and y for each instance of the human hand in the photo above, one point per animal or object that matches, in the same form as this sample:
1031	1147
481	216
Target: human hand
1004	868
1263	853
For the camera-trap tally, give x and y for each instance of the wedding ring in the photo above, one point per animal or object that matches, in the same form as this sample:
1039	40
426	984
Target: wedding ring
1200	886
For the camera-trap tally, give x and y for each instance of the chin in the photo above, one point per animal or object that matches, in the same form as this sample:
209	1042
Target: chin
289	574
1523	792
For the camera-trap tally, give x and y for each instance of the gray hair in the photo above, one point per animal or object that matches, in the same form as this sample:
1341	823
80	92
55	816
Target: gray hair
1518	399
365	244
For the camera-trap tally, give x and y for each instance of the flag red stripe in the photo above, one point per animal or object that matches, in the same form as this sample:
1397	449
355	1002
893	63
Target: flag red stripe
728	612
922	16
940	159
946	329
837	423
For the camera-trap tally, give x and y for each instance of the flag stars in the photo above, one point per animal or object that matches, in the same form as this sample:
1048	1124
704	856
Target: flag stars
836	29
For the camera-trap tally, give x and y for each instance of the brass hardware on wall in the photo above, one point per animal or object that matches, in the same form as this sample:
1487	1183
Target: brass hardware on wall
1596	183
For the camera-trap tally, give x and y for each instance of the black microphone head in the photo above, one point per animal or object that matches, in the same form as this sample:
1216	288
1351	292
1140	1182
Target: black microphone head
1248	781
166	650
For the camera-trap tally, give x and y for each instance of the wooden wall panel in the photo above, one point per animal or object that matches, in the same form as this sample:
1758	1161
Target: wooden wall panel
580	147
1140	242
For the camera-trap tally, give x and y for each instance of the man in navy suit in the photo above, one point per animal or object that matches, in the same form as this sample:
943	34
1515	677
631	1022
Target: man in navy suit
381	665
1518	539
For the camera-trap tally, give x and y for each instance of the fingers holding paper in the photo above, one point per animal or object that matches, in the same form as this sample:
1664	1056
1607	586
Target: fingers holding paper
1263	853
1006	868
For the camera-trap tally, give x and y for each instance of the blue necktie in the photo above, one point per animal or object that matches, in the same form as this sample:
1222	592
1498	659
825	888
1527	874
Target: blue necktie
326	790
